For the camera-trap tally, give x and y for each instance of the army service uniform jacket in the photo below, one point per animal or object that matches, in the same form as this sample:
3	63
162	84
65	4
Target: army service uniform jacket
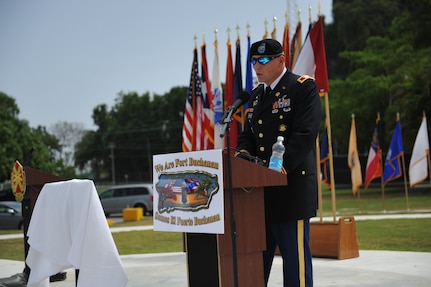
291	110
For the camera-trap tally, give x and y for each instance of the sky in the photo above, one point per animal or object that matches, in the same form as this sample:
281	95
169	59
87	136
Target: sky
61	59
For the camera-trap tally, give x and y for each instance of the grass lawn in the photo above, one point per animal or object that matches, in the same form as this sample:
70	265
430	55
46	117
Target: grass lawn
388	234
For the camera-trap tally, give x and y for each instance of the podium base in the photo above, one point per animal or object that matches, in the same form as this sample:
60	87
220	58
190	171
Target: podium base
334	239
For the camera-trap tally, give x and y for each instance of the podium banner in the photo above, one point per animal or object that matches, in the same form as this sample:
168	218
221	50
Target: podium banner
188	192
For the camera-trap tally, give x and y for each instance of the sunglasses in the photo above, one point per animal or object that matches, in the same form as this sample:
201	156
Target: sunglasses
263	60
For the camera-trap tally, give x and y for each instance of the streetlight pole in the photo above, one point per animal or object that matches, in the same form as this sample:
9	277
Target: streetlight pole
112	146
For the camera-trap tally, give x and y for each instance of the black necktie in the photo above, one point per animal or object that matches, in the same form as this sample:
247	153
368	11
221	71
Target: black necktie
268	91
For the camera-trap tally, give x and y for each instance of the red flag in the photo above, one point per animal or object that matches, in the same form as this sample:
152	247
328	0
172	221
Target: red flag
208	106
286	46
190	126
312	58
374	168
229	93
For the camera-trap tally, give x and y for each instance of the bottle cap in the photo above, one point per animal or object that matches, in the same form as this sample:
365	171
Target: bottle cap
280	138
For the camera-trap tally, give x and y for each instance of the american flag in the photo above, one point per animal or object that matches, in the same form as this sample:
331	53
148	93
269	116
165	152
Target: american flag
192	128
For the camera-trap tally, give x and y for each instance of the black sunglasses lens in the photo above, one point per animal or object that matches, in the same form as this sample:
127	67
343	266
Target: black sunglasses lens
261	60
264	60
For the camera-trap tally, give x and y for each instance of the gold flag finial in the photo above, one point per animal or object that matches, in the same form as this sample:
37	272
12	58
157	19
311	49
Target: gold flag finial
248	29
228	30
266	29
215	38
273	35
195	38
309	14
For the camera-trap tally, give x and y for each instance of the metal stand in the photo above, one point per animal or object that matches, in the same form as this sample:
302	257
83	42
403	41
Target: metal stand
226	121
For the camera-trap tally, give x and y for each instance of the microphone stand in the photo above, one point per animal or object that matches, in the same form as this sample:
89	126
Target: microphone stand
225	130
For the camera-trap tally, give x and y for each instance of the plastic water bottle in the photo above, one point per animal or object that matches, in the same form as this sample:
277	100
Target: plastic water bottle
276	160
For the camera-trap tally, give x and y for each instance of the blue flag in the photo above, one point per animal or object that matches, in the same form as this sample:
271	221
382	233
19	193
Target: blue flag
248	70
324	160
392	168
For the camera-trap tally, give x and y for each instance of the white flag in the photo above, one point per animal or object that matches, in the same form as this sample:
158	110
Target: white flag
418	169
218	99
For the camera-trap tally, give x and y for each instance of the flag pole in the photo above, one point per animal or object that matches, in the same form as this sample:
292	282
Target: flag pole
381	172
331	161
383	192
405	181
406	191
319	180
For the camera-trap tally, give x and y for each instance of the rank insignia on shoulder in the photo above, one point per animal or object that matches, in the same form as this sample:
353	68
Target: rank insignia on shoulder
249	110
303	78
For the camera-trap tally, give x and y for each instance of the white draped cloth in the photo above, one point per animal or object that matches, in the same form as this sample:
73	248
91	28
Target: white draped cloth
68	228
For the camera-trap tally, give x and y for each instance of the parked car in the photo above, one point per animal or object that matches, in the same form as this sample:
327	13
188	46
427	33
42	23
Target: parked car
118	197
10	215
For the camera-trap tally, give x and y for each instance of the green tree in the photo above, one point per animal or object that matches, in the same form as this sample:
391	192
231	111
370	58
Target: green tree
391	74
128	134
354	22
31	147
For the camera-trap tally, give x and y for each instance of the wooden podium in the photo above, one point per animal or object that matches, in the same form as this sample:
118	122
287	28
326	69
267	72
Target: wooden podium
35	179
209	256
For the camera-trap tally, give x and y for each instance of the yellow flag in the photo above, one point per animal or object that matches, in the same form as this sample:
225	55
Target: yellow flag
353	159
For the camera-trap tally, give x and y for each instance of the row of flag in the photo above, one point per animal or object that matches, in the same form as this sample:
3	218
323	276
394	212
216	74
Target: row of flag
206	100
392	168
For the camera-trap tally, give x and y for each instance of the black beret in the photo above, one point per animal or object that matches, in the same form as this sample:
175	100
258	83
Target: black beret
266	47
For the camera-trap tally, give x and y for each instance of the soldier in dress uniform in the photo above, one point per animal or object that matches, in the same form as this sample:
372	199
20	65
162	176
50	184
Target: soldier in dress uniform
288	105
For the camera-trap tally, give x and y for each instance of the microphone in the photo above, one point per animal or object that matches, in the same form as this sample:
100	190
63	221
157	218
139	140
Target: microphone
243	98
246	156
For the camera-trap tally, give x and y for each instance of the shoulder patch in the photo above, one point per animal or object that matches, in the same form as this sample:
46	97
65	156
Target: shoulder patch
303	78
